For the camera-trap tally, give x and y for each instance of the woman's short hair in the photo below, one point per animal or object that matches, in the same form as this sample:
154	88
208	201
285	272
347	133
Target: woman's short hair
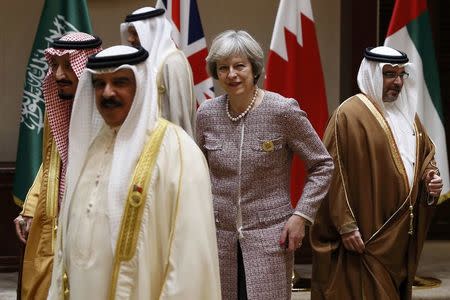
232	42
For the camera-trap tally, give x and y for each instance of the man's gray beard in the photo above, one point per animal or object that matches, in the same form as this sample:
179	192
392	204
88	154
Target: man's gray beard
64	97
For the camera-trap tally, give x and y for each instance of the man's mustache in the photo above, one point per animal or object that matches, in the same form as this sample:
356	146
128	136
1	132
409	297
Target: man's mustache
63	81
110	102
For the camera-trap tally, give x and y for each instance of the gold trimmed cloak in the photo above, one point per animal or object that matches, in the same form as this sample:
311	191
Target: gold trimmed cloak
370	192
42	204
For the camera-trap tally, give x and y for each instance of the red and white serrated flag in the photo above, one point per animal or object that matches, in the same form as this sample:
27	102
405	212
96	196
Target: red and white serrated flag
189	37
294	70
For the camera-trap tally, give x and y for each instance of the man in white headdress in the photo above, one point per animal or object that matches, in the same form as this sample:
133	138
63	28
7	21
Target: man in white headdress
148	27
137	220
67	57
370	229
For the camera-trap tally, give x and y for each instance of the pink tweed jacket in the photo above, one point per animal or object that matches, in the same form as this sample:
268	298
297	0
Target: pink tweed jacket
249	163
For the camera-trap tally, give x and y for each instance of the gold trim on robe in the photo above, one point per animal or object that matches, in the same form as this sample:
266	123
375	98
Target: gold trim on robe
395	156
339	163
380	201
135	204
38	257
385	126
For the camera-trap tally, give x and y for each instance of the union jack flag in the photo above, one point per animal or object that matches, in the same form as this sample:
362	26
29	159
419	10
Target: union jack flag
188	35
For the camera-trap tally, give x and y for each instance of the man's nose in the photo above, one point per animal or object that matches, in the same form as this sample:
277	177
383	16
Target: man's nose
60	74
108	91
398	79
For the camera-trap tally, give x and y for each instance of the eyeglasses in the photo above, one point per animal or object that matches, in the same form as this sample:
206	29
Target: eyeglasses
393	75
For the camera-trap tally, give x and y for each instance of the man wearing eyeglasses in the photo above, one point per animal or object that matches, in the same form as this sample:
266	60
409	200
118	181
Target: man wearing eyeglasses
370	229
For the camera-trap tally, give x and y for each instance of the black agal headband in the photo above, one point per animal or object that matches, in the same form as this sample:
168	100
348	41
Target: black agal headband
78	45
144	15
112	61
402	58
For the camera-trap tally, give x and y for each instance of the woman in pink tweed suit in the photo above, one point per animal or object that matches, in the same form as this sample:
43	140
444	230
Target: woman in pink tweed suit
249	136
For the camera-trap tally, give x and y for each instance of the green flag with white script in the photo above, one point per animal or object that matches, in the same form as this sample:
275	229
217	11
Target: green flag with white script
57	18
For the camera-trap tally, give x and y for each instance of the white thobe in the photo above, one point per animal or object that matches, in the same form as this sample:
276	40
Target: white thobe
405	138
176	92
88	253
176	255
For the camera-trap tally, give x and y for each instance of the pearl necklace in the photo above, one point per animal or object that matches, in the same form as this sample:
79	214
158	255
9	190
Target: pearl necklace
234	119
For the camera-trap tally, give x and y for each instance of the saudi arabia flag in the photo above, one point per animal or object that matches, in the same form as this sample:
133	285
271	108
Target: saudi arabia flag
410	32
57	18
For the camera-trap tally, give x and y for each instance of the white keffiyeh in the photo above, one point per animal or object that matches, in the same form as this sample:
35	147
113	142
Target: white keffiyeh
154	35
86	123
399	114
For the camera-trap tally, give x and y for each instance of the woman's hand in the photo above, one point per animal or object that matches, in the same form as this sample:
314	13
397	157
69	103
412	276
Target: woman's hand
293	233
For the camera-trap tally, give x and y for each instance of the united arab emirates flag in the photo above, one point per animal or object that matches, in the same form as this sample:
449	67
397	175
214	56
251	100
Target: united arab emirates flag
57	18
410	32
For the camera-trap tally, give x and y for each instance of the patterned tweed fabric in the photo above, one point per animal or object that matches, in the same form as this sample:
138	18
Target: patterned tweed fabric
249	163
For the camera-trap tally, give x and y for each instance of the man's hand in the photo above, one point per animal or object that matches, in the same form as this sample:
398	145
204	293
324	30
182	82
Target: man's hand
434	183
293	233
23	225
353	242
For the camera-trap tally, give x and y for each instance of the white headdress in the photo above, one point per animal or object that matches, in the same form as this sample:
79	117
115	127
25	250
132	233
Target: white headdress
399	114
154	31
86	123
370	79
